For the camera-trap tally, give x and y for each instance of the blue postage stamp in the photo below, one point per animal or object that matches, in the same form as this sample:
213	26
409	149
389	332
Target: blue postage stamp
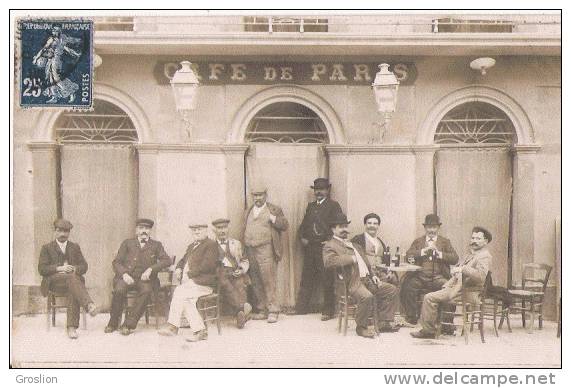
56	63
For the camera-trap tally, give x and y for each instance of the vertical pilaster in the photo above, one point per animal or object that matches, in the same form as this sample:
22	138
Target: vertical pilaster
235	185
424	183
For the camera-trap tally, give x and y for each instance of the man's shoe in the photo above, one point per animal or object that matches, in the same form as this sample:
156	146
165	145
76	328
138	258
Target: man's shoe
72	333
259	316
388	328
273	318
168	330
327	317
411	321
247	310
109	329
125	330
422	334
240	320
365	332
92	309
198	336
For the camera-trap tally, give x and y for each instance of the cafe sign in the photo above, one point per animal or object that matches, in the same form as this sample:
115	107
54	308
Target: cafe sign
304	73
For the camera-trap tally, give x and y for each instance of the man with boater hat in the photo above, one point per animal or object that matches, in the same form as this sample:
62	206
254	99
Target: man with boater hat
233	278
314	231
435	254
62	267
264	223
136	266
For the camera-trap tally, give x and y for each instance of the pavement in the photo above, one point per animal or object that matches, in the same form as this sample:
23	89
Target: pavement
294	341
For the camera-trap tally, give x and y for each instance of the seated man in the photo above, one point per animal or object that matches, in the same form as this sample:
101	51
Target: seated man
197	274
435	254
62	267
234	280
364	287
136	267
373	247
472	272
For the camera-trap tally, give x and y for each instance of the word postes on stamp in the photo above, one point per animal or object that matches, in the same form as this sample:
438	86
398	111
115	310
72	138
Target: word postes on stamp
56	63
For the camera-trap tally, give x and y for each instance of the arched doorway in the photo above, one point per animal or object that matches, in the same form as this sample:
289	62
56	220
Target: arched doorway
473	178
98	186
286	155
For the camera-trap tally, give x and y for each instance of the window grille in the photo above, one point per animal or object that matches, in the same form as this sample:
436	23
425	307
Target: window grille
106	123
284	24
471	26
475	123
286	122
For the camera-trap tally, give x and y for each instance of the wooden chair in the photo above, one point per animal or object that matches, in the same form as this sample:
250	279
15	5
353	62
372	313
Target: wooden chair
348	308
529	298
492	306
52	305
209	308
470	313
163	292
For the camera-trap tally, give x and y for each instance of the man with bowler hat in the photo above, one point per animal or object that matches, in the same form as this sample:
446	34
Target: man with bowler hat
435	254
62	267
314	231
136	266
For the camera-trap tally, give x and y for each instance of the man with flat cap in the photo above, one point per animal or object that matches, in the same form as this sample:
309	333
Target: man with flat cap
263	226
314	231
471	272
62	267
364	286
435	254
197	273
233	278
136	266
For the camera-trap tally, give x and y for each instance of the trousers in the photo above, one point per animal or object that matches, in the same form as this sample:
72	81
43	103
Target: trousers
144	290
413	284
77	295
312	274
234	290
431	301
183	304
263	274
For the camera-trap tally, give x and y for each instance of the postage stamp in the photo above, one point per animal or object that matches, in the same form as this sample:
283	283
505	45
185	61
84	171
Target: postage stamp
56	63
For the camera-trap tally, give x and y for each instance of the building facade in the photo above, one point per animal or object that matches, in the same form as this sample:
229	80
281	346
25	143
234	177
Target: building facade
283	100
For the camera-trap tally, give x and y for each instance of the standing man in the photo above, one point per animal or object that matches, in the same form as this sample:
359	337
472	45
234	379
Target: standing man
364	286
263	225
136	266
314	231
435	254
471	273
197	273
62	267
234	279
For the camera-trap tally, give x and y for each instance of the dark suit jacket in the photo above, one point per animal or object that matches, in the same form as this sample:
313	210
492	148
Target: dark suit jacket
51	257
360	243
337	255
278	227
449	255
315	224
133	260
203	259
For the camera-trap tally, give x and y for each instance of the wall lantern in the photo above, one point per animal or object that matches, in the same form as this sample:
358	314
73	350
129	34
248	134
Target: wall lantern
482	64
185	86
385	89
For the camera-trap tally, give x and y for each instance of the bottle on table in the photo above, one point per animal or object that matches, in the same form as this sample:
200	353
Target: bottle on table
396	258
387	256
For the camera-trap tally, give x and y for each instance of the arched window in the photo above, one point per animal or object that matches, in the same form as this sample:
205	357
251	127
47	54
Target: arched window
475	123
286	122
106	123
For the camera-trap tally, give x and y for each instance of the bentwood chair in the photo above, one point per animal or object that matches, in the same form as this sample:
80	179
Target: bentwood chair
495	302
470	313
347	308
58	299
529	298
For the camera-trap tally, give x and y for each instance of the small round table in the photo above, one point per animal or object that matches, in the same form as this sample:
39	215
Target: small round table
402	268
